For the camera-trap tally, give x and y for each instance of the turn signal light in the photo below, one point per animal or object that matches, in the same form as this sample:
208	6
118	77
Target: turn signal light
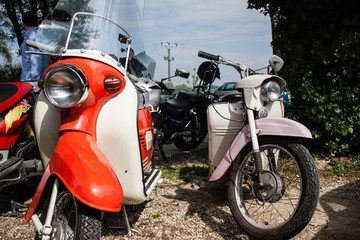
41	83
112	83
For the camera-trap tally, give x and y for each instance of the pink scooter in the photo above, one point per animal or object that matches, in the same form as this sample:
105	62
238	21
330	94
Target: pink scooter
273	184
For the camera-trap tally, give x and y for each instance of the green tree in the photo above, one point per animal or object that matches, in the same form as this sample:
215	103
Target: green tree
9	72
11	29
183	86
4	50
13	9
195	79
319	42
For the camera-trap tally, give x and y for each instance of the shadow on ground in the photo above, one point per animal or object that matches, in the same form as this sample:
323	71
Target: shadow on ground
20	194
210	203
342	205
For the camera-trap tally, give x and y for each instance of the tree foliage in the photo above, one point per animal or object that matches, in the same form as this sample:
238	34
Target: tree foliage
195	79
319	42
9	72
4	50
11	29
13	9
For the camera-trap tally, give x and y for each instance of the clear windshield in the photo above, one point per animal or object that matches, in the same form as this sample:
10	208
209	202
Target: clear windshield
96	25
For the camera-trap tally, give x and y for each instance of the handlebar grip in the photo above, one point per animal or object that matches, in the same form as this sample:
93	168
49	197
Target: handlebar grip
208	56
46	48
31	43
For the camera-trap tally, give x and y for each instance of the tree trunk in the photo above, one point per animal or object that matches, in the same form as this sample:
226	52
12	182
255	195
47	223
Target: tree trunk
11	13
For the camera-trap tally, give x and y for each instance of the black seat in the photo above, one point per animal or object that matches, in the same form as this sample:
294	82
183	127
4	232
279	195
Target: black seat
178	107
181	105
193	97
12	92
7	90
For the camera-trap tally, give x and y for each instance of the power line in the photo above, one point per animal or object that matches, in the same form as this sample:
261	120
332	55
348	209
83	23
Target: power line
169	46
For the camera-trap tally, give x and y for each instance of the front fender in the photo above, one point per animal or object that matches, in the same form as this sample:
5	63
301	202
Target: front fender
85	172
282	127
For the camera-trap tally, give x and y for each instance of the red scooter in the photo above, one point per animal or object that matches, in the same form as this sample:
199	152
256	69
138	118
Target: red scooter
93	125
19	155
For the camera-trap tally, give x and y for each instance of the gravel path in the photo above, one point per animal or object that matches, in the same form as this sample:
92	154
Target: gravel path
189	207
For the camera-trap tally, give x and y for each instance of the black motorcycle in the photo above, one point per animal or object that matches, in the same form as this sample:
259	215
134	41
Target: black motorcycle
182	119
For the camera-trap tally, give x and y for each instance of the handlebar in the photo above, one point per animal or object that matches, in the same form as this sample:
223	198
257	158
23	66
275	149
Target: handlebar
218	59
46	48
241	68
208	56
164	87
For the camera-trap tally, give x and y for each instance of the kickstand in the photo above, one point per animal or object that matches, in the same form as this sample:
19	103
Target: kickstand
15	206
126	219
162	153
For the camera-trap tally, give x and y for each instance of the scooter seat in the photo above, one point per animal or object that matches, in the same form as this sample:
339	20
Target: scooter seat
193	97
181	105
178	107
12	92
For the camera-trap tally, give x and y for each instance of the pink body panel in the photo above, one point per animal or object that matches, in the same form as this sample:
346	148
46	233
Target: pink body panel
268	127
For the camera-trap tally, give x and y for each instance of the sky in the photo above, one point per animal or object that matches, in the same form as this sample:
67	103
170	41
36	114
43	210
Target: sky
225	28
220	27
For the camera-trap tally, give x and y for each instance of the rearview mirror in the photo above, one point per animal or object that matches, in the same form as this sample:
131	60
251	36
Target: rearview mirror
182	73
276	63
122	39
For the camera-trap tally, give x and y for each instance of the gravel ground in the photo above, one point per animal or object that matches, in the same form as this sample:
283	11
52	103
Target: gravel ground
185	206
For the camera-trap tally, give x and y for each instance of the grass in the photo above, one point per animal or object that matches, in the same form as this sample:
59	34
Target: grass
184	172
186	166
342	167
171	172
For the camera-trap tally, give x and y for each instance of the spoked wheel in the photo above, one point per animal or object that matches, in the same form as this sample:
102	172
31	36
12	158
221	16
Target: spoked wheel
74	220
190	142
287	201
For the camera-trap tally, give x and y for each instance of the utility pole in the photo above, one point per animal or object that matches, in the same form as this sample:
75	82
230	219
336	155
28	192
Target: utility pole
169	45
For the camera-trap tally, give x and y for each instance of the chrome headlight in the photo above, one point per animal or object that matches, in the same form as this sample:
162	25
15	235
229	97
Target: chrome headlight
270	91
65	86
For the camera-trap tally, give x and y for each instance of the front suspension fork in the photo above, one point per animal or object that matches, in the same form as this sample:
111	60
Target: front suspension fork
256	148
45	230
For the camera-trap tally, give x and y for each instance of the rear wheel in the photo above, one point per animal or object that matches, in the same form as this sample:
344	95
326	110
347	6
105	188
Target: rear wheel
285	205
74	220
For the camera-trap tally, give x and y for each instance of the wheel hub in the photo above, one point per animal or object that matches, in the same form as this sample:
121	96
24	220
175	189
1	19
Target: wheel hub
58	228
61	229
273	189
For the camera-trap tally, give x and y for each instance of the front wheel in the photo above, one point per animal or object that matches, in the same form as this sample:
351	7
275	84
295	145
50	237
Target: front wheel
74	220
287	202
197	136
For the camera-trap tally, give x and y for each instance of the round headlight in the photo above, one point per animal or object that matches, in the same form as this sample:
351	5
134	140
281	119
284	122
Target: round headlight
270	91
65	86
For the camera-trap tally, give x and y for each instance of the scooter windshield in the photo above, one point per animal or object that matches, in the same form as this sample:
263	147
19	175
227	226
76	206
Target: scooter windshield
102	25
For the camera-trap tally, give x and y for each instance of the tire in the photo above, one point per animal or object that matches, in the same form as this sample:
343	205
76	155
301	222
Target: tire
74	220
282	210
187	143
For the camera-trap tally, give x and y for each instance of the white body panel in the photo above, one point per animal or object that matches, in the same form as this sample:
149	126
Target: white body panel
47	124
117	137
96	55
251	86
222	131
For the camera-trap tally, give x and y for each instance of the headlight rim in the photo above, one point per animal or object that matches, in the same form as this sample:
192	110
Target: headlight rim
73	69
266	91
